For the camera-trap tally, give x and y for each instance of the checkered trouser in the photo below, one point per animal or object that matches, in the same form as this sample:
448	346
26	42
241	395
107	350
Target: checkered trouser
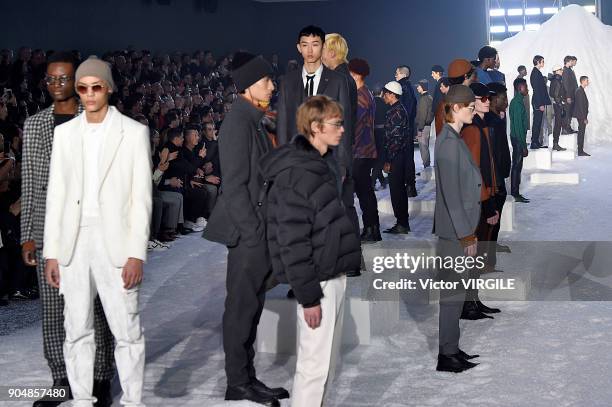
54	334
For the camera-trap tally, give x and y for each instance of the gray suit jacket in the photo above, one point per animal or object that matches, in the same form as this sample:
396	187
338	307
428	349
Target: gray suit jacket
292	95
458	183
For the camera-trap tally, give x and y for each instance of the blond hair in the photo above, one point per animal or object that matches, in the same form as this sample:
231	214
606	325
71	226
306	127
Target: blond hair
335	42
315	110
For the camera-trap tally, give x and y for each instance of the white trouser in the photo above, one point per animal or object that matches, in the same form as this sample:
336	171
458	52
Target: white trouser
318	348
91	271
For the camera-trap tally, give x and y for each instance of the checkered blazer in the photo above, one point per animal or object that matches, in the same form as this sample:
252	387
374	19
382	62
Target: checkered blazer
37	145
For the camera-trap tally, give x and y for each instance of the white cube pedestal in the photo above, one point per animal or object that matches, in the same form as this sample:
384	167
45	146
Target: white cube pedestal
569	141
541	178
507	218
277	330
540	159
567	155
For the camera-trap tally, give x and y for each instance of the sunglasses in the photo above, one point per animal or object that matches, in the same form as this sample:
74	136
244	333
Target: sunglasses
83	89
337	124
61	80
483	99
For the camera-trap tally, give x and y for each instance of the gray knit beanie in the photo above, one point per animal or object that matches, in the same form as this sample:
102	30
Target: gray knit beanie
93	66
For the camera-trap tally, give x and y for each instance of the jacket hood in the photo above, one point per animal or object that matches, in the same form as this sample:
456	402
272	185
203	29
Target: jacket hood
299	153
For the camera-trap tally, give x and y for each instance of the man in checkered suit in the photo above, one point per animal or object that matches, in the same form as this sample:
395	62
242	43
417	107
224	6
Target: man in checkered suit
37	145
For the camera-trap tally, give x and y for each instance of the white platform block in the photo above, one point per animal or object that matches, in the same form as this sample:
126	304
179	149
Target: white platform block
415	206
540	159
567	155
507	218
428	174
540	178
569	141
277	330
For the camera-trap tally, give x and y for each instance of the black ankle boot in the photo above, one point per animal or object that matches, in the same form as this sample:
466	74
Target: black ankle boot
102	392
471	311
46	402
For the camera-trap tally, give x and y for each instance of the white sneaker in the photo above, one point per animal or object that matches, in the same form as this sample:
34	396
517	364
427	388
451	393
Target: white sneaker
193	226
162	244
156	247
201	222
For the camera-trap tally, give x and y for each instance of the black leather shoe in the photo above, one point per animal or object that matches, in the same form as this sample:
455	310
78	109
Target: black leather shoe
534	147
465	356
102	392
453	363
354	273
501	248
412	192
290	293
45	402
543	146
183	230
487	310
277	392
247	392
557	147
398	230
583	154
371	234
472	312
520	198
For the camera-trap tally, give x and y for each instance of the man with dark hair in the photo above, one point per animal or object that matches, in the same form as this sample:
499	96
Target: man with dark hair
497	121
423	120
570	86
437	73
558	99
316	79
486	60
581	113
364	152
522	74
37	145
408	100
539	101
518	137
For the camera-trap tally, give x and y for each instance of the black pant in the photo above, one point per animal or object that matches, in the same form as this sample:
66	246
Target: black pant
377	173
247	270
156	217
451	301
536	127
517	166
500	200
581	131
348	199
567	120
195	203
558	123
362	168
399	182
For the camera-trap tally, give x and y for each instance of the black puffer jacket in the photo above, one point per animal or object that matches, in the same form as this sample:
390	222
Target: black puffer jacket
310	238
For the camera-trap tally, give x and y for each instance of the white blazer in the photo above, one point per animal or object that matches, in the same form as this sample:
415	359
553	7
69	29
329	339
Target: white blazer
125	195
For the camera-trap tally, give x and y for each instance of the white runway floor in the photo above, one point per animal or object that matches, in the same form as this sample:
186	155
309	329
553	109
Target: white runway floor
532	354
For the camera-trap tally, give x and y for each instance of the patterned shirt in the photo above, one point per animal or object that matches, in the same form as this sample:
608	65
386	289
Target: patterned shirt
396	132
365	144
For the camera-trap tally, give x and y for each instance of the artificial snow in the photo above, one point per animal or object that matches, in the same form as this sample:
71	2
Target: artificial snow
536	354
572	31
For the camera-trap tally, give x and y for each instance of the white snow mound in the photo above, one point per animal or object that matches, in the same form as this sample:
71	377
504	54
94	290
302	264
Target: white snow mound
572	31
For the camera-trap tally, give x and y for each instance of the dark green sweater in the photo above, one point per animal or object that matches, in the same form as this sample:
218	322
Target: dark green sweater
518	119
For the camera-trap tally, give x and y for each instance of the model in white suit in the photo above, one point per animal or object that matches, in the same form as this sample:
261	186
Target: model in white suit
96	231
